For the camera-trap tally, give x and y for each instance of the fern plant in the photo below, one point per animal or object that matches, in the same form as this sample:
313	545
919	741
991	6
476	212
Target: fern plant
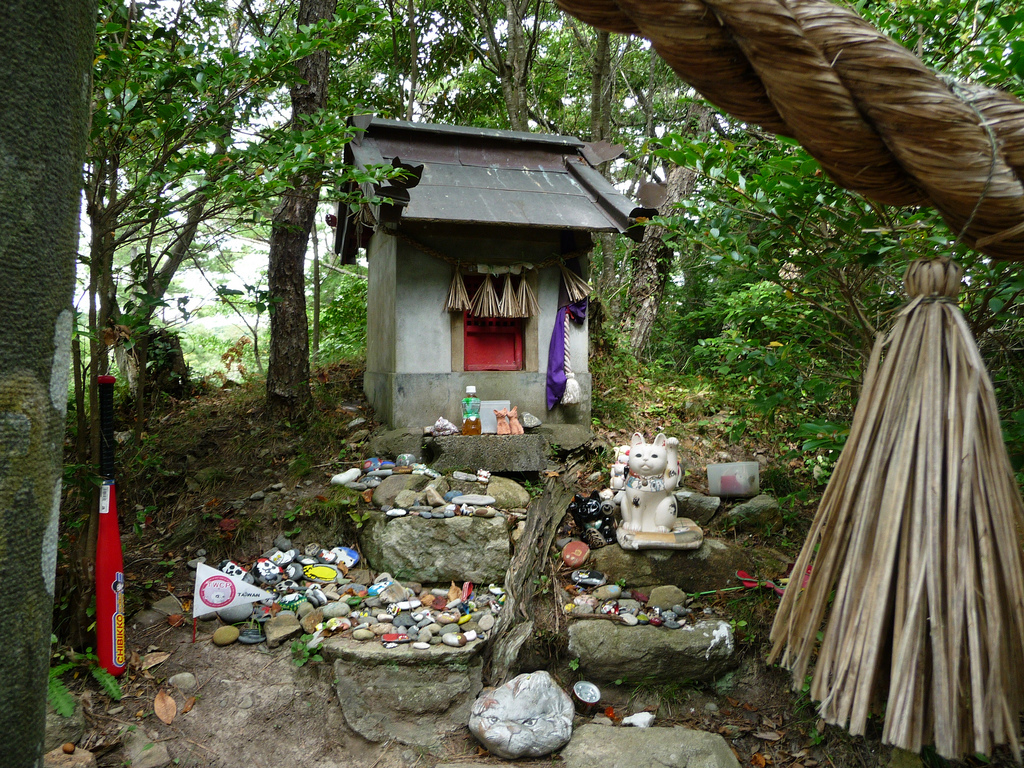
57	692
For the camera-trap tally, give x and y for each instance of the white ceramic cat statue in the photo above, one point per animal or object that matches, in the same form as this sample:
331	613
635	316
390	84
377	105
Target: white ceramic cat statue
647	501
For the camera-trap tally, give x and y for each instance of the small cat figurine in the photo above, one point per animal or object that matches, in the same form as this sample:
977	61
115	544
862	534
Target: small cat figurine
515	428
529	716
646	500
501	416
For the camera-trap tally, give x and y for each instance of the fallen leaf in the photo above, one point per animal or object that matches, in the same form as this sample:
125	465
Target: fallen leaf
768	735
175	619
150	660
731	700
135	662
189	703
757	760
454	593
228	524
165	707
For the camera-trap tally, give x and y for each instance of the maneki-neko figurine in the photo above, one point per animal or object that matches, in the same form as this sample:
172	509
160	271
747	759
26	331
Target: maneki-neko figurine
647	502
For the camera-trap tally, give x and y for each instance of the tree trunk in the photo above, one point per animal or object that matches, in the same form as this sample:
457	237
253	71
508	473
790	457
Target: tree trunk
414	60
288	392
652	259
511	61
516	74
515	635
601	130
601	89
44	79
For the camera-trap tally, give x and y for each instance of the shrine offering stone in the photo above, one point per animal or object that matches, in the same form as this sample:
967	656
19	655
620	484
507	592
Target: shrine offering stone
496	453
458	549
529	716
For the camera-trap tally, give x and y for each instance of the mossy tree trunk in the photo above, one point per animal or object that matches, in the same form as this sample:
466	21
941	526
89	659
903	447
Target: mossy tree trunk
44	98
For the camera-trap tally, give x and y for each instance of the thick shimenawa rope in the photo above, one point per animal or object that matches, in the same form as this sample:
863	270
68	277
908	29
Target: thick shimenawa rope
877	119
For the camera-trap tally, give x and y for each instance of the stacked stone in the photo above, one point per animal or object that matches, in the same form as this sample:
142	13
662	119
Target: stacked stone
397	613
664	607
313	594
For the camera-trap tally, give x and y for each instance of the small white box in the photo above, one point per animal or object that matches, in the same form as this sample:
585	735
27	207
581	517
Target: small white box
740	478
488	421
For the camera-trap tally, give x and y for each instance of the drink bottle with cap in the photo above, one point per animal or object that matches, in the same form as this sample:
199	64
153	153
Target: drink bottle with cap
471	412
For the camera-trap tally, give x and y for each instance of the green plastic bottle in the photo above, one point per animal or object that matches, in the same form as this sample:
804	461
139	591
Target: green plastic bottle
471	412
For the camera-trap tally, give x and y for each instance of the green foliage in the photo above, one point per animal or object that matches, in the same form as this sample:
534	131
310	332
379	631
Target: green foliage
302	654
57	692
343	318
785	280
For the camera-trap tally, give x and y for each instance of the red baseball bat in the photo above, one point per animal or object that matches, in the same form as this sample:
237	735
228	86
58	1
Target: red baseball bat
110	642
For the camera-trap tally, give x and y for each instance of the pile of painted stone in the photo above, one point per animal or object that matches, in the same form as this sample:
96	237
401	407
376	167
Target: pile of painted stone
374	471
395	614
327	598
663	607
429	504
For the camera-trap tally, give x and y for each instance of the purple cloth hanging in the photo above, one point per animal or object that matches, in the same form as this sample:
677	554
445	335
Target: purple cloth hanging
577	312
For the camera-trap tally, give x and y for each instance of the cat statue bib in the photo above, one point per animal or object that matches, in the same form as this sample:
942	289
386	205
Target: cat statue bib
647	502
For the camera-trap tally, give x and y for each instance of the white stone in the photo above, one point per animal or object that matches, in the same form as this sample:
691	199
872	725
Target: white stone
639	720
349	475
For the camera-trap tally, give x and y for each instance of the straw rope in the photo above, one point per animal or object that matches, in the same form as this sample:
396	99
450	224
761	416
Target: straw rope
572	394
520	302
876	118
916	548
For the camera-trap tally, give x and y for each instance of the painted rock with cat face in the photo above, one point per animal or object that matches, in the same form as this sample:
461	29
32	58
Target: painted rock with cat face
529	716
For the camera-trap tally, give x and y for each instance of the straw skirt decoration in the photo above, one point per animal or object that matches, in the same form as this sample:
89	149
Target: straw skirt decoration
918	535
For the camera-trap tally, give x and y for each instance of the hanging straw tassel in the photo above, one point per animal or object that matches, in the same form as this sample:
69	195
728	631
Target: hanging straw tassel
575	286
918	536
458	296
572	394
509	306
527	301
485	302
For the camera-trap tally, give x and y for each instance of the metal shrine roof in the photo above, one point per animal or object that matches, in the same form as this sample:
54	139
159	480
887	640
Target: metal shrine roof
488	177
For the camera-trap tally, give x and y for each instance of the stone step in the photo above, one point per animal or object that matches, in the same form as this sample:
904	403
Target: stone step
608	651
603	746
416	697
